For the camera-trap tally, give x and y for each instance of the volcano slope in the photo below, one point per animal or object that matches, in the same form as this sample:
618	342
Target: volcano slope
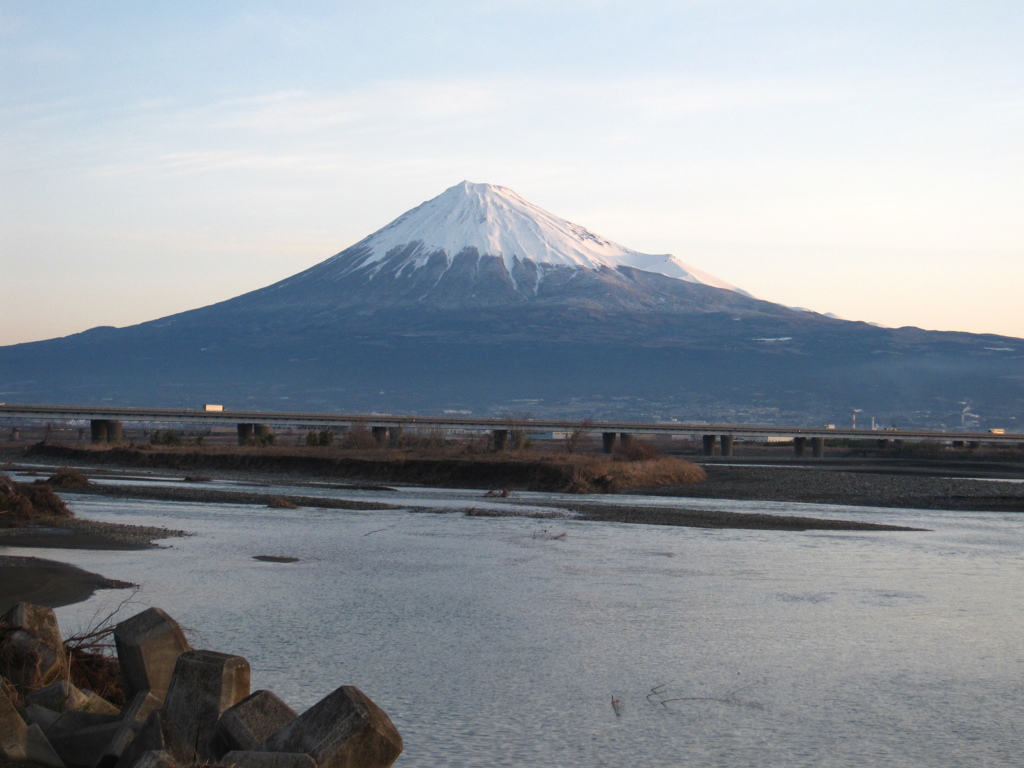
479	301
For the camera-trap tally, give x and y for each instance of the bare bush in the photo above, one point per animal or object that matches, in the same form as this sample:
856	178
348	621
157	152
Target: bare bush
572	438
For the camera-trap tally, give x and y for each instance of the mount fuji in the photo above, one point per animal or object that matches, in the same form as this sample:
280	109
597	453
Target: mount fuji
479	301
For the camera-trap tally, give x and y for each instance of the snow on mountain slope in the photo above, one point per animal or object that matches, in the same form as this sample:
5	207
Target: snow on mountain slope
497	222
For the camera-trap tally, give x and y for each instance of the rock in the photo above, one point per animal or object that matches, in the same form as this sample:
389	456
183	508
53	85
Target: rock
248	759
250	722
38	749
61	696
204	685
148	647
343	730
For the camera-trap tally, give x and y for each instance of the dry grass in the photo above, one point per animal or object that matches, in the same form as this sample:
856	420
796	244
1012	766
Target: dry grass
97	672
462	465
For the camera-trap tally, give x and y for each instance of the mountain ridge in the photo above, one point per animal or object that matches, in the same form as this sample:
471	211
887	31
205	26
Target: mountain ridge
395	324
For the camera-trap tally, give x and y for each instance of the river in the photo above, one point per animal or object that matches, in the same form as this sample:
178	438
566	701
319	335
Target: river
509	641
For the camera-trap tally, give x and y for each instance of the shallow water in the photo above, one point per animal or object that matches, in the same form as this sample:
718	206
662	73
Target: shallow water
490	642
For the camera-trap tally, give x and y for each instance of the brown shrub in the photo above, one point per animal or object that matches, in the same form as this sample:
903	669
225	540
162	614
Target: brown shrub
68	478
279	503
636	451
20	502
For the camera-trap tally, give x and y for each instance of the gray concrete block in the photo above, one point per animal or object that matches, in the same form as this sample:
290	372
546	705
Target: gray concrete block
39	751
96	703
38	620
69	722
249	759
155	758
32	647
343	730
150	738
140	705
204	685
30	663
7	689
41	716
125	734
148	646
61	696
13	730
250	722
83	748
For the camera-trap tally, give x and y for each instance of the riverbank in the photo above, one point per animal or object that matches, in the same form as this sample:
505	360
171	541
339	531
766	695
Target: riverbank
47	582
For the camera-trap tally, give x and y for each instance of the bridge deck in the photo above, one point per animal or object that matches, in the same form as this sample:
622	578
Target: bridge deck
325	420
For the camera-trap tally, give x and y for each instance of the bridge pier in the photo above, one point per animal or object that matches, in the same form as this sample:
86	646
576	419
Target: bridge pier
818	447
518	438
625	441
884	444
799	445
726	445
709	445
263	434
15	434
499	439
396	436
958	443
608	441
245	433
380	435
974	445
105	431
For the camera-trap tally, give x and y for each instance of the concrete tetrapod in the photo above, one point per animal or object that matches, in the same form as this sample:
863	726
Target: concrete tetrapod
345	729
204	685
31	647
250	722
148	646
242	759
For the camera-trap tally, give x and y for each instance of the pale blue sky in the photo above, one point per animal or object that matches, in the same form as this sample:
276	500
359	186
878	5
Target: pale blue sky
863	158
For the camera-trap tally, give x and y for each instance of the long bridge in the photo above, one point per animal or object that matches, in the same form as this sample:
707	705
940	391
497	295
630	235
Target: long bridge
106	425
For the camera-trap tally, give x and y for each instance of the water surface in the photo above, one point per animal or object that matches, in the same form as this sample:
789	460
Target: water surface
501	642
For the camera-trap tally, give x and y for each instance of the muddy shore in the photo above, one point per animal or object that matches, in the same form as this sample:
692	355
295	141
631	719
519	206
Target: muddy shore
47	582
987	488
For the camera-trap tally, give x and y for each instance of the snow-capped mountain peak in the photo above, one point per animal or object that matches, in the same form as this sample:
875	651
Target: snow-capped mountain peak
495	221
